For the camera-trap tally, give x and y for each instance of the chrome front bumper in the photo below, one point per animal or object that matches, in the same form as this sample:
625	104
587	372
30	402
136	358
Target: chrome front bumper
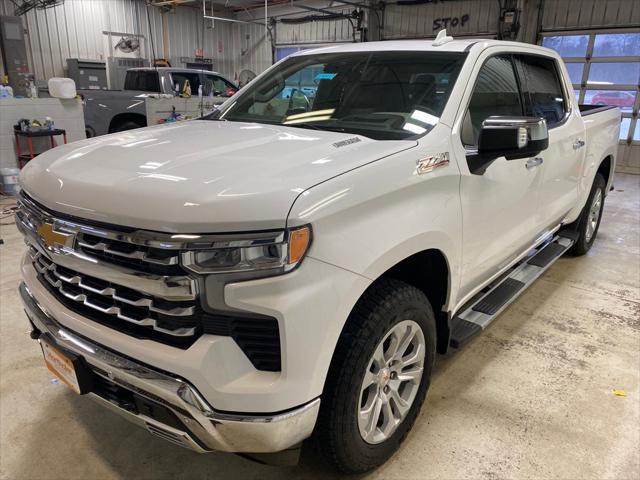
204	428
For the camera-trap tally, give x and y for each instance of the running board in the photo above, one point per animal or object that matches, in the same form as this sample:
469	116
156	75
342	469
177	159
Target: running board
484	310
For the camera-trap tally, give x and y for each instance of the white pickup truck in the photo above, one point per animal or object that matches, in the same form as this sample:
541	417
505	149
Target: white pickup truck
292	264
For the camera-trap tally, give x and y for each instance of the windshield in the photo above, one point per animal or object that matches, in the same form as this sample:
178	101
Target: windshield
381	95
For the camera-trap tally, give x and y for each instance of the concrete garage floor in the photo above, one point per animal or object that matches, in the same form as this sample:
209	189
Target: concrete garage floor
530	398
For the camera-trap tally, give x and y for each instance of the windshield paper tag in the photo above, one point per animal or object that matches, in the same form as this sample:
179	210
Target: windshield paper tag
428	164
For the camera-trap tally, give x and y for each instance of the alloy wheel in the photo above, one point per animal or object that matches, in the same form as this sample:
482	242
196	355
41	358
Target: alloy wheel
594	215
391	381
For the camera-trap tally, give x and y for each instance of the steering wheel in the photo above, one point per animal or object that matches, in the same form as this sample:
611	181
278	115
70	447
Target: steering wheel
306	99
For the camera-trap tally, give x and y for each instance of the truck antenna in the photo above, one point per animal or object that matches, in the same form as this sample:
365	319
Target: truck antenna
441	38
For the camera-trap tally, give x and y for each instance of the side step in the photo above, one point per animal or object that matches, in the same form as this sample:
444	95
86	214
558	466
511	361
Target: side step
478	315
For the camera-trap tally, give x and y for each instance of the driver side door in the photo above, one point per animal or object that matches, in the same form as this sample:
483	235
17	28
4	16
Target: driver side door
499	206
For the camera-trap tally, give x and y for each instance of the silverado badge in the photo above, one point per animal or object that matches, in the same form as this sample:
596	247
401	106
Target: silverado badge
427	164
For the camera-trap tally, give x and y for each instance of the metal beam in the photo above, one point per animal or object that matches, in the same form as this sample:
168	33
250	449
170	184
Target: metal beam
354	4
313	9
231	20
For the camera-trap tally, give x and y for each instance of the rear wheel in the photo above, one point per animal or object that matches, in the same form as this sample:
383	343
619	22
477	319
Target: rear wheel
379	377
588	223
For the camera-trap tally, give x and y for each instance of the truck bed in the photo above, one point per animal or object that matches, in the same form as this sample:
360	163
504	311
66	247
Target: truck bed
591	109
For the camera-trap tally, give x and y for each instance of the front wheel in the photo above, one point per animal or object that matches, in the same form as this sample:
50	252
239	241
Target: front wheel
378	378
588	223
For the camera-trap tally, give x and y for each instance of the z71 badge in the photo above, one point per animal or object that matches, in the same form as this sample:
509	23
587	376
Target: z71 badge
427	164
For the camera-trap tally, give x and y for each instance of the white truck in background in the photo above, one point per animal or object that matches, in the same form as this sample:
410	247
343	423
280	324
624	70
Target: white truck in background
291	265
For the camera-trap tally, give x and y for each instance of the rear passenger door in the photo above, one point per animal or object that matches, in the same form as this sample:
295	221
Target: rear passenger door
544	95
499	207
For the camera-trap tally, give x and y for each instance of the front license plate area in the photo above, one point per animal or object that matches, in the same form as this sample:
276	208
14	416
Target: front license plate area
67	367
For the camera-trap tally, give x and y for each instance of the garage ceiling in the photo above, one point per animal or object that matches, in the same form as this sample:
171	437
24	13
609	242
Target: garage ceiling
228	4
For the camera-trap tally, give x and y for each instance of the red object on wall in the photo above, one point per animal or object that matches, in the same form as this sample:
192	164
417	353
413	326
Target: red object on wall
199	52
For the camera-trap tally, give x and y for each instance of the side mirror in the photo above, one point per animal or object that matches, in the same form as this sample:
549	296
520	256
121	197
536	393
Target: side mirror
509	137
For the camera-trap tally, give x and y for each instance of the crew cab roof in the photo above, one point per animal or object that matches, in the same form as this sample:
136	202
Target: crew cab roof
462	45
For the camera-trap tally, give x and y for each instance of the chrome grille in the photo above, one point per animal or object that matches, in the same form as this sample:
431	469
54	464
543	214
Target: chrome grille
123	303
127	251
133	281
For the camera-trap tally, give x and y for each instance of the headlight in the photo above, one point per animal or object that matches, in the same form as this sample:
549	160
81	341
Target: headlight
280	251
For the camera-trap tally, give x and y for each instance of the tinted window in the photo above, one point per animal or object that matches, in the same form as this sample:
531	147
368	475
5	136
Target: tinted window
218	86
495	93
541	88
181	77
142	80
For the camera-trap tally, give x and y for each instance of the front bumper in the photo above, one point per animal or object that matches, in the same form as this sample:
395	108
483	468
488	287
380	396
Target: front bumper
186	418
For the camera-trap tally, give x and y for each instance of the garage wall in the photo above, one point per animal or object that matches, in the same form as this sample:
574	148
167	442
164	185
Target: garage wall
74	30
233	46
331	31
418	21
584	14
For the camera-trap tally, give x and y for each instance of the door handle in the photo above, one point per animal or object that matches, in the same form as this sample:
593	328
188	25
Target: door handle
579	143
533	163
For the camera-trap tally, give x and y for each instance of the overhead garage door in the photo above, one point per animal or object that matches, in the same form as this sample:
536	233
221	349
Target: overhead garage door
604	66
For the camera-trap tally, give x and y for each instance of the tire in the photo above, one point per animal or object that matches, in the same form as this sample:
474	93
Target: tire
586	226
129	125
387	305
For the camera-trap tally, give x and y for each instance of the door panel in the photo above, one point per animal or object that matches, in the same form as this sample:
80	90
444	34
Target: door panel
545	97
499	218
499	208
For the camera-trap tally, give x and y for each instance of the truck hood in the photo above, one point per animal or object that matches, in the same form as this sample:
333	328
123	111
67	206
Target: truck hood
198	176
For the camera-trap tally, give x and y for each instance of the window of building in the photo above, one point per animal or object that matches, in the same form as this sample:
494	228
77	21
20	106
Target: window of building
604	68
568	45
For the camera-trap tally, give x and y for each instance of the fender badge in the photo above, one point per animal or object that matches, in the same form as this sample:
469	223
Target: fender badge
427	164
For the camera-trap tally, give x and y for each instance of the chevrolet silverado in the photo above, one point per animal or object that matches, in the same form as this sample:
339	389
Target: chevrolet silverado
289	266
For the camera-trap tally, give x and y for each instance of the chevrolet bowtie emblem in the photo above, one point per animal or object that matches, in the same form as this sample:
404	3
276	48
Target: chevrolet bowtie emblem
53	239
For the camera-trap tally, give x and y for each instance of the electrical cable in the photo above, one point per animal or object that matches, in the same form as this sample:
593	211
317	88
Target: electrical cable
153	45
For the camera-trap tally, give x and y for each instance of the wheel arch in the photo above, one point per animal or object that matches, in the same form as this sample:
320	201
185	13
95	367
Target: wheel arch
120	118
606	170
428	271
